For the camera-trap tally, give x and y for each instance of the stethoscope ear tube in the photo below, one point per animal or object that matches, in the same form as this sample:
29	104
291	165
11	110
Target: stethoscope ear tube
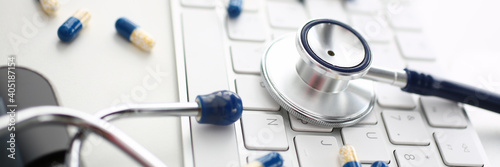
424	84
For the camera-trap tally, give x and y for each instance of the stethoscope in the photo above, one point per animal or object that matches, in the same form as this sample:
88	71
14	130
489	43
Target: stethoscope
218	108
316	84
319	82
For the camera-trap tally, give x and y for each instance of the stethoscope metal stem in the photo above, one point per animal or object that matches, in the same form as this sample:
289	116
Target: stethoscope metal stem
153	109
393	77
58	115
129	110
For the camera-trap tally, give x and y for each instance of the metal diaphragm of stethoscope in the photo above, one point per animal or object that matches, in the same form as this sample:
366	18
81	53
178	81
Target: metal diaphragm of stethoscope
318	81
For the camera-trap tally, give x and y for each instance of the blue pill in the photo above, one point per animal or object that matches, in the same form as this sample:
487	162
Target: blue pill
71	28
379	164
125	27
134	34
234	8
272	159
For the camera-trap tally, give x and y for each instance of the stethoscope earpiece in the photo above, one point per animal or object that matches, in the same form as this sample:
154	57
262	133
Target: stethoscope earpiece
219	108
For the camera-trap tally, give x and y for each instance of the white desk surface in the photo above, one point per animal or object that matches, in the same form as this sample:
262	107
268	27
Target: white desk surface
100	68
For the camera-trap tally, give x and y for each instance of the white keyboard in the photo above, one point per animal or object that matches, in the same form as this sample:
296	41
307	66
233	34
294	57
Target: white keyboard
217	53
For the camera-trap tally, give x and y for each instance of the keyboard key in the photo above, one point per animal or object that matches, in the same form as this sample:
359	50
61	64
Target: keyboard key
246	57
370	119
199	3
415	157
252	5
207	138
363	6
386	55
248	26
331	9
405	127
213	75
458	148
405	18
443	113
414	46
371	29
317	151
254	95
367	141
427	68
393	97
287	162
277	33
303	126
264	132
286	14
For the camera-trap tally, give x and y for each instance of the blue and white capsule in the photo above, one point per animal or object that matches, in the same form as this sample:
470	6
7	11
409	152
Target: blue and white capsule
272	159
134	34
379	164
348	156
72	27
50	6
234	8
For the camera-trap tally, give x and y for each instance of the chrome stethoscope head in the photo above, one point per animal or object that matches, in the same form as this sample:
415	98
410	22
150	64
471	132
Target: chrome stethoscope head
314	84
332	53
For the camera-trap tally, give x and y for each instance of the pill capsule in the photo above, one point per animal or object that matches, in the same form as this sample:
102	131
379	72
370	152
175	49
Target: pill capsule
50	6
134	34
70	29
379	164
348	156
234	8
272	159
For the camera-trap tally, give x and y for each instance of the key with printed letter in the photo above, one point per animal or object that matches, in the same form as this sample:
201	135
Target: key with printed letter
264	131
317	151
415	157
405	127
367	141
443	113
458	148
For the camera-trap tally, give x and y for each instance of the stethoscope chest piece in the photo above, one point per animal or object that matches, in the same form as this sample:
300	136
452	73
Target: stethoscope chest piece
312	82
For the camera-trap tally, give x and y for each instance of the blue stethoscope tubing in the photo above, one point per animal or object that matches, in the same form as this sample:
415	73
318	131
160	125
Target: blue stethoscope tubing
425	84
418	83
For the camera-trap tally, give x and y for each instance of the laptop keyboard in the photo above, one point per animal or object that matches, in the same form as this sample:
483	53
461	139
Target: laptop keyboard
214	52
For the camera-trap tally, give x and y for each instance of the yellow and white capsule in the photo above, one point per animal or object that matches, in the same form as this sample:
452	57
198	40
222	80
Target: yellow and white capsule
134	34
50	6
348	157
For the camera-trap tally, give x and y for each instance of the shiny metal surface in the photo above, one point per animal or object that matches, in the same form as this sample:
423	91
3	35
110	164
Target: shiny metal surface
59	115
283	82
153	109
335	45
394	77
318	81
346	48
129	110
